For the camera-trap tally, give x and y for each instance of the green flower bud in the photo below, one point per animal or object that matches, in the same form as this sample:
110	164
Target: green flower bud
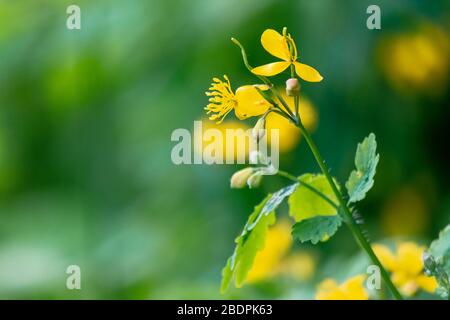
239	178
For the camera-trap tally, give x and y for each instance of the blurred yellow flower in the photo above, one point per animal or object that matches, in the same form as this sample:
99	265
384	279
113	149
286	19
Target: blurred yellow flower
405	213
284	47
278	242
352	289
235	144
417	60
406	267
246	102
299	266
289	134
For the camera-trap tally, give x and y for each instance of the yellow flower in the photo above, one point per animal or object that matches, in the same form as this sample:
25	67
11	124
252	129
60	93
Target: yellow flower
352	289
289	134
246	102
417	60
299	266
236	144
406	267
283	47
278	242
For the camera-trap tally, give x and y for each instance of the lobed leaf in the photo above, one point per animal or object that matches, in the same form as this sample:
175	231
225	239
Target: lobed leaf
366	160
319	228
252	238
307	203
437	262
440	248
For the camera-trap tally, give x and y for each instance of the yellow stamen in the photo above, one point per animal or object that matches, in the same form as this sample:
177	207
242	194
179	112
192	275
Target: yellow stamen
222	99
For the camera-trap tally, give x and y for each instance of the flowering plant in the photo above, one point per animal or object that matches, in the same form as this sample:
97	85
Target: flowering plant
318	203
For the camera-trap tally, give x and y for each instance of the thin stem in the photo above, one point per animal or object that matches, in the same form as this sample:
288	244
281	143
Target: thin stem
354	228
296	97
276	108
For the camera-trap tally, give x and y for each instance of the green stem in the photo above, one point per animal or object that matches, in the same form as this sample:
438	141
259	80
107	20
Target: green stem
354	228
296	99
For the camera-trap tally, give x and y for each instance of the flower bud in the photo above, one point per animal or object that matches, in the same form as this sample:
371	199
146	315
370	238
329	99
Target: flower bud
258	130
239	178
292	87
257	157
255	180
254	157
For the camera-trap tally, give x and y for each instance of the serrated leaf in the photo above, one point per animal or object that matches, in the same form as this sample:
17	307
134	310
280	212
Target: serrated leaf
319	228
252	238
440	248
366	160
273	202
437	262
305	203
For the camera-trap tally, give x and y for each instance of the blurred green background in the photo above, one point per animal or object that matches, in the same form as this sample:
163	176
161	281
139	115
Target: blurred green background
86	117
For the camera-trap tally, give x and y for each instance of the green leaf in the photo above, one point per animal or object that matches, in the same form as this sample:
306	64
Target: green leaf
366	160
306	203
440	248
319	228
252	238
437	262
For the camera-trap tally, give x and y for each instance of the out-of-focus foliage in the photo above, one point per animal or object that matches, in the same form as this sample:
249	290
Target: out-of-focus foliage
86	119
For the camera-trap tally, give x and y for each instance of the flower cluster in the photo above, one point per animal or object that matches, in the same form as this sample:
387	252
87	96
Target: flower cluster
249	100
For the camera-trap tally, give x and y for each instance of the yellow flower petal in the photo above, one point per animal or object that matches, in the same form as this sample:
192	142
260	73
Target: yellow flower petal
232	146
352	289
328	285
328	289
406	267
385	256
408	288
299	266
268	260
249	102
307	73
275	44
410	257
427	283
271	69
